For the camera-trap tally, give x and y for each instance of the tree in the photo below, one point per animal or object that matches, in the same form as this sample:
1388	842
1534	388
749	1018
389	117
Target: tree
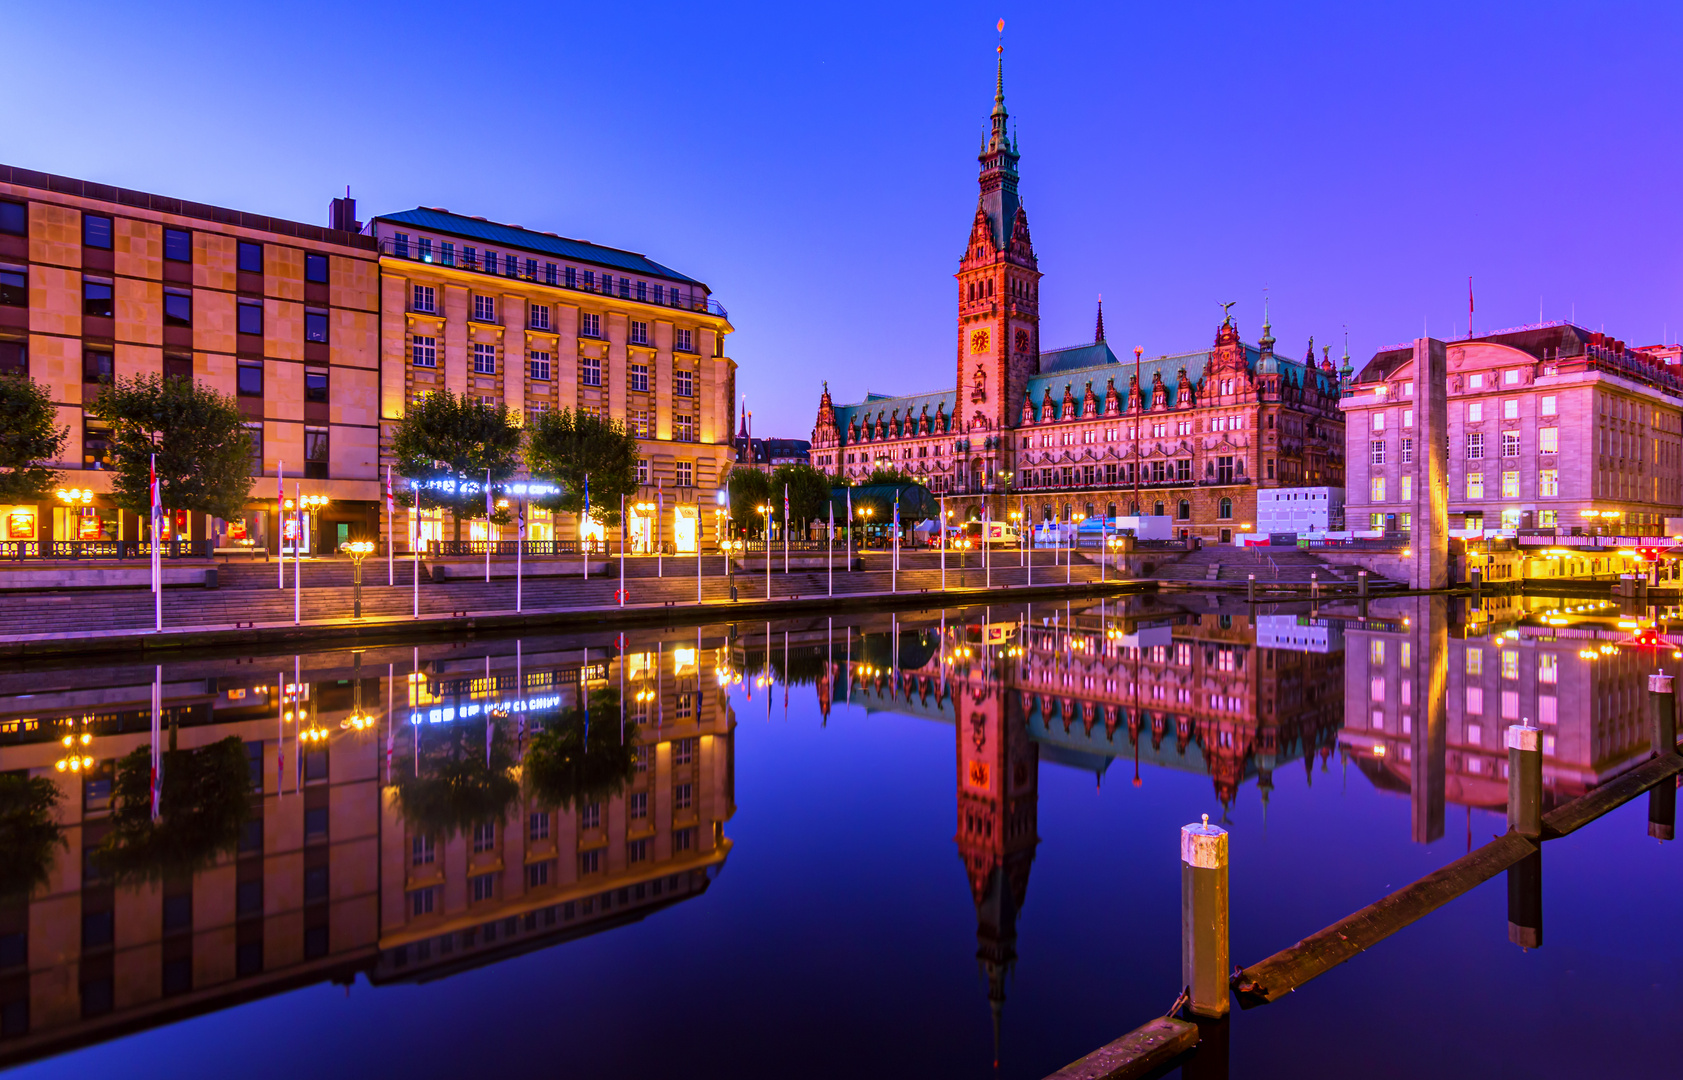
749	489
445	444
567	446
29	835
28	439
458	782
571	763
809	491
203	449
203	800
882	474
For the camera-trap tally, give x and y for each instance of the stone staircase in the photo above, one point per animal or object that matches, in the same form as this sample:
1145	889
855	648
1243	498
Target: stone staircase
1280	565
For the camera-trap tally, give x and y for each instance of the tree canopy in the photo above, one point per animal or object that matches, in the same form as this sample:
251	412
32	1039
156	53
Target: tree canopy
749	490
202	445
29	834
572	762
445	444
566	446
809	491
29	438
457	784
203	800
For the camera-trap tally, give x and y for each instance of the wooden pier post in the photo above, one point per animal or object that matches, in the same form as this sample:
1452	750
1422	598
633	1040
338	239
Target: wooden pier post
1203	917
1250	587
1525	901
1525	780
1662	734
1361	583
1314	584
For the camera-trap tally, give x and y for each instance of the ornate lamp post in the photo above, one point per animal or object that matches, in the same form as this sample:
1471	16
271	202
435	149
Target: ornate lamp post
731	548
358	550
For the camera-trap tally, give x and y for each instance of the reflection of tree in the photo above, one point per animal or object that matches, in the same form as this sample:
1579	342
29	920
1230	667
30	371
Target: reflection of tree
28	833
203	800
913	650
457	784
805	667
573	762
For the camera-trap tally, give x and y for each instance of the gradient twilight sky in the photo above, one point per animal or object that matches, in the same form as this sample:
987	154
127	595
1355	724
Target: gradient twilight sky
815	163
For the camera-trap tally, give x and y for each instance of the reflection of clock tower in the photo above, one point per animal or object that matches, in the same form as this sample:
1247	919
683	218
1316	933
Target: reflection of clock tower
998	798
998	304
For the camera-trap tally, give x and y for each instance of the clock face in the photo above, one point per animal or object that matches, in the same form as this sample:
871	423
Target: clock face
1022	341
979	341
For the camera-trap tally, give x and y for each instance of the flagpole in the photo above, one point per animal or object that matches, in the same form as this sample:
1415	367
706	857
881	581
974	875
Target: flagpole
297	555
830	548
942	510
660	512
488	512
894	549
622	553
987	563
519	553
280	523
415	554
584	528
785	528
391	572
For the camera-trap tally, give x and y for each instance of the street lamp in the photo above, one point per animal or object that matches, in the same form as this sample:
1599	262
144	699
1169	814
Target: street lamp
731	548
358	550
644	511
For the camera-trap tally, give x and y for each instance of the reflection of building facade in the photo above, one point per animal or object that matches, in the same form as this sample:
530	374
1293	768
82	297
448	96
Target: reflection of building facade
1073	430
1589	698
325	880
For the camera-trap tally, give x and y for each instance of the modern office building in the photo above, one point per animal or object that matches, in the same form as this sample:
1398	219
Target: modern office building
99	282
537	321
1076	431
1550	427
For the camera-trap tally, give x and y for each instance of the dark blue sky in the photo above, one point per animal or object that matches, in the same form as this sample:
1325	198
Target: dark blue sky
816	163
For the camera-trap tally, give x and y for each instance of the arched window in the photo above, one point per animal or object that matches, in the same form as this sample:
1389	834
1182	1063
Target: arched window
1111	511
1158	510
1184	511
1069	512
1089	510
1226	508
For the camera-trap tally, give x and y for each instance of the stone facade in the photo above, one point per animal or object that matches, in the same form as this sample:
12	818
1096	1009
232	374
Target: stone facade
1546	423
1054	434
538	322
122	283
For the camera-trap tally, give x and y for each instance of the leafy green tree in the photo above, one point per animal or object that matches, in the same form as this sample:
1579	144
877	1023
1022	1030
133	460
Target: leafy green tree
573	762
566	446
444	444
809	492
29	836
457	784
202	446
882	474
749	490
29	437
204	799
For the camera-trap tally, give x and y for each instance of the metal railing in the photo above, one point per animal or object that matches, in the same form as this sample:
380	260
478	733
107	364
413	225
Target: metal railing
76	550
449	548
673	297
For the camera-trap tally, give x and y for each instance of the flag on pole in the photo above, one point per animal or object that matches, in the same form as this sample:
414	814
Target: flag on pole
489	510
152	484
389	504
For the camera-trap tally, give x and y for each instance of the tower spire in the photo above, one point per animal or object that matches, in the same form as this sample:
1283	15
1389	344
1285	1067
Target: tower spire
999	77
1098	331
998	158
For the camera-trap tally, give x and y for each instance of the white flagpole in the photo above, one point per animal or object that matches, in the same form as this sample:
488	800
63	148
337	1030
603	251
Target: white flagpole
298	556
660	512
415	553
830	549
488	512
987	563
280	523
894	549
698	520
942	510
785	528
391	572
850	528
519	554
622	550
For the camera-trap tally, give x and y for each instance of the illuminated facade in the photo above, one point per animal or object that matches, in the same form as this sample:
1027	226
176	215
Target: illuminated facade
536	321
1075	431
99	282
328	877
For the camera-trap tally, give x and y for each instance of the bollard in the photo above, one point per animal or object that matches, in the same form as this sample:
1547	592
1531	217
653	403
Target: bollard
1478	579
1525	780
1662	715
1314	584
1250	587
1203	917
1361	582
1525	901
1662	735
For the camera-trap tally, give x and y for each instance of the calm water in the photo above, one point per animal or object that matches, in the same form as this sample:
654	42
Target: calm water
882	847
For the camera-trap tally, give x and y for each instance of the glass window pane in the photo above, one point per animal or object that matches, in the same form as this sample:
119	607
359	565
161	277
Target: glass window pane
96	231
251	257
96	299
178	245
315	326
251	318
178	309
14	218
315	268
251	380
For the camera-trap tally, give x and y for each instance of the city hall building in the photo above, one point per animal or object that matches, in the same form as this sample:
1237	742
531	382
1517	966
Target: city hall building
1056	433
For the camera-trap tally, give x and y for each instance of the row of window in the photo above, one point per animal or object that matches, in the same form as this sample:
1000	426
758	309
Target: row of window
423	352
1548	485
99	300
424	299
445	253
97	232
1547	405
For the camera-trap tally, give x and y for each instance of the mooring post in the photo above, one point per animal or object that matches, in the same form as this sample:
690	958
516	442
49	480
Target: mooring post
1525	901
1662	733
1478	579
1314	584
1525	780
1361	582
1203	917
1250	587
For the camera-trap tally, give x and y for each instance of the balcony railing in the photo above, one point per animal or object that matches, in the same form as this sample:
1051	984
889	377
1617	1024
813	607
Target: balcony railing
675	296
76	550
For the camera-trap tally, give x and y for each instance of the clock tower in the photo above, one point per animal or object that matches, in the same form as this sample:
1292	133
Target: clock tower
998	300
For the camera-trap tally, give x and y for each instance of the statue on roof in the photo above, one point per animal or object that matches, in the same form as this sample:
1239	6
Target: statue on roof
1227	311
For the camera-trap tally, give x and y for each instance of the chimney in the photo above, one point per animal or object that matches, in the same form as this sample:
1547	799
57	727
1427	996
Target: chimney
341	214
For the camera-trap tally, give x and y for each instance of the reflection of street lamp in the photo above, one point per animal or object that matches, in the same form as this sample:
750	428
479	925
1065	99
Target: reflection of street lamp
74	760
358	550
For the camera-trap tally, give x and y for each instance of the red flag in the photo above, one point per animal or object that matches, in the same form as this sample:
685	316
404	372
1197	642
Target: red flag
152	485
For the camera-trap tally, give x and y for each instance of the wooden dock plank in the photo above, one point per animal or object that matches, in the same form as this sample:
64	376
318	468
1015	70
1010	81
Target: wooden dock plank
1609	797
1319	953
1136	1054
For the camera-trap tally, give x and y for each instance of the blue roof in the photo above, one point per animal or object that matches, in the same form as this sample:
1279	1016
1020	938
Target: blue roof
1095	363
1078	356
490	232
908	405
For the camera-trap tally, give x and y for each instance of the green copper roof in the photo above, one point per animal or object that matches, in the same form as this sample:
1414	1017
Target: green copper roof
490	232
